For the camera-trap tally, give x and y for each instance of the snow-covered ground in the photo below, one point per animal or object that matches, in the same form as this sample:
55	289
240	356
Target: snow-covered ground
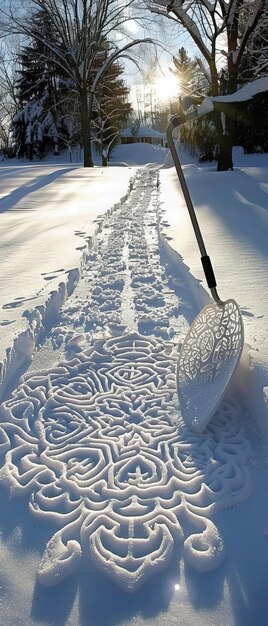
48	215
233	215
104	491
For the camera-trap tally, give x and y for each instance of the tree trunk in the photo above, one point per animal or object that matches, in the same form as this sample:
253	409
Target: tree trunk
225	158
224	131
228	115
226	118
86	129
224	140
104	160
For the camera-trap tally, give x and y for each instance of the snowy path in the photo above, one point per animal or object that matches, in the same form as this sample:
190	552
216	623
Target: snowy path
129	282
96	443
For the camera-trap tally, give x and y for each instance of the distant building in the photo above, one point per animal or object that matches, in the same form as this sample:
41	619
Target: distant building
143	134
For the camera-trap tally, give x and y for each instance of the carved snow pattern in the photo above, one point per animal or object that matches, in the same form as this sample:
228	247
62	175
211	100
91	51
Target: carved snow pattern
97	444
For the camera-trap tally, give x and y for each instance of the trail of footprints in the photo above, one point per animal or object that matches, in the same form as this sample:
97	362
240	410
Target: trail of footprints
97	444
127	285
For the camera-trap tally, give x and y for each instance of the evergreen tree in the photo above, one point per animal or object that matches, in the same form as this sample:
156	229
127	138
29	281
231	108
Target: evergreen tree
35	127
49	115
198	136
80	26
219	29
187	70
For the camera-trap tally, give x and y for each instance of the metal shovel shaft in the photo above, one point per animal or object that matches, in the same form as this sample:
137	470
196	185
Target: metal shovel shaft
175	121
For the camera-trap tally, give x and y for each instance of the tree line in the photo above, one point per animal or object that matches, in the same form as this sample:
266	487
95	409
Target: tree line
69	87
249	119
230	37
48	116
69	84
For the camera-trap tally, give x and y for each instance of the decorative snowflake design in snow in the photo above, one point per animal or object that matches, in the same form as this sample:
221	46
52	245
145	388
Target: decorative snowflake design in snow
98	447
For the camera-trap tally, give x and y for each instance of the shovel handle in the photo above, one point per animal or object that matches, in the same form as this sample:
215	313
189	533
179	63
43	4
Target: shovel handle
175	121
208	271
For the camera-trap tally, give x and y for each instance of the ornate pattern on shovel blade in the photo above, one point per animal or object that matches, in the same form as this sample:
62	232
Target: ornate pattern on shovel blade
208	359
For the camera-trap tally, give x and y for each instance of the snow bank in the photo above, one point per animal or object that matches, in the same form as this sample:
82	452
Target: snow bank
138	154
37	322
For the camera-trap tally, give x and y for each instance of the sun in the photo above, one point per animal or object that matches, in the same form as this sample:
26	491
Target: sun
167	88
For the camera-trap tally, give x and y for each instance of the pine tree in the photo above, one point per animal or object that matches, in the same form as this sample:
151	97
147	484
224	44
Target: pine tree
187	70
34	127
220	29
198	136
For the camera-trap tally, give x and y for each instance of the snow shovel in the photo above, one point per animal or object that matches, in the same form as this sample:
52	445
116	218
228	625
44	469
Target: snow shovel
213	345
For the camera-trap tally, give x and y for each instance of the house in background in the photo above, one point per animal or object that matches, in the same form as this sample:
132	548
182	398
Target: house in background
143	134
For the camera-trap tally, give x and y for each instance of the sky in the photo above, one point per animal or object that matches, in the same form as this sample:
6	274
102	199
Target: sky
155	60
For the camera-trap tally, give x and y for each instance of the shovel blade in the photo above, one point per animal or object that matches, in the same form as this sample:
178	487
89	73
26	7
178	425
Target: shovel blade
208	358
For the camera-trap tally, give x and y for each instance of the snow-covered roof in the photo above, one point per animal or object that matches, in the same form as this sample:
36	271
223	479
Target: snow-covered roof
142	131
241	95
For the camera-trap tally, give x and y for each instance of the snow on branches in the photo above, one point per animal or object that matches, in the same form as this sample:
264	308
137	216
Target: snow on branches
221	30
206	21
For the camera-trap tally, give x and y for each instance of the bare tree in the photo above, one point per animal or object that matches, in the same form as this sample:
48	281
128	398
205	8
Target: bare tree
80	28
71	127
8	98
221	30
255	62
